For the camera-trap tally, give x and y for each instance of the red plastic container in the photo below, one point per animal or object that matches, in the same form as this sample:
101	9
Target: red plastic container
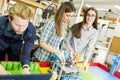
44	64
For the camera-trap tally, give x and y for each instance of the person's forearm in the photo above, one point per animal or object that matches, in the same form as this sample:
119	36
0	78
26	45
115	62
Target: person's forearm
68	47
49	48
3	71
1	67
87	59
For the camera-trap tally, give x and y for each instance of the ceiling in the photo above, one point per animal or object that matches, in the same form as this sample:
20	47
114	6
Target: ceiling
107	5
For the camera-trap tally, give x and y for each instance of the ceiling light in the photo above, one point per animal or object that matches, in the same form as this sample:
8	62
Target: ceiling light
87	5
117	6
101	9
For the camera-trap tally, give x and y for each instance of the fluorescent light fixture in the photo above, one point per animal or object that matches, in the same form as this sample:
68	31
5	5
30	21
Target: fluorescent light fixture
102	9
117	6
87	5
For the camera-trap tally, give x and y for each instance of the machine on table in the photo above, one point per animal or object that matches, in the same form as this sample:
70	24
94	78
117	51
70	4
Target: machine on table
67	70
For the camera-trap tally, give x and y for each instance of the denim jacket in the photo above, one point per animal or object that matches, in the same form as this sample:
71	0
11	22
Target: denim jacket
8	38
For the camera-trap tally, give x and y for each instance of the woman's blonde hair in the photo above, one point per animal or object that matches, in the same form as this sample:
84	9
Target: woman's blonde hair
20	10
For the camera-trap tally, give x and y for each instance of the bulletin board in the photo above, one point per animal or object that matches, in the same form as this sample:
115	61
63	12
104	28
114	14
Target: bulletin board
115	45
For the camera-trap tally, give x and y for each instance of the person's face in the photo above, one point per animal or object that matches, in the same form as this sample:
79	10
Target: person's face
67	16
18	24
90	17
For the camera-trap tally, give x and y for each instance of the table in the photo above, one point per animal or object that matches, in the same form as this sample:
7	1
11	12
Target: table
98	71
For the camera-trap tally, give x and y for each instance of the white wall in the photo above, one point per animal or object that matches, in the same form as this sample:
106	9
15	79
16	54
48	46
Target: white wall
117	30
102	31
73	20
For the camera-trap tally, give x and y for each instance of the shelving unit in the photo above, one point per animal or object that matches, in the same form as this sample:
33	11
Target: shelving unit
2	6
34	7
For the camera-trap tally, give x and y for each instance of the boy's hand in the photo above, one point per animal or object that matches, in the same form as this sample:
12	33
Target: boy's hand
26	69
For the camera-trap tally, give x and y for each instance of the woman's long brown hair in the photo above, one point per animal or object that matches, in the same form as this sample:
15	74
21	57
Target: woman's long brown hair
76	28
64	8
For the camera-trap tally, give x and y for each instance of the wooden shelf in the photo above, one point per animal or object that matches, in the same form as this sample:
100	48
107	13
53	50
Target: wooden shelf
31	3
